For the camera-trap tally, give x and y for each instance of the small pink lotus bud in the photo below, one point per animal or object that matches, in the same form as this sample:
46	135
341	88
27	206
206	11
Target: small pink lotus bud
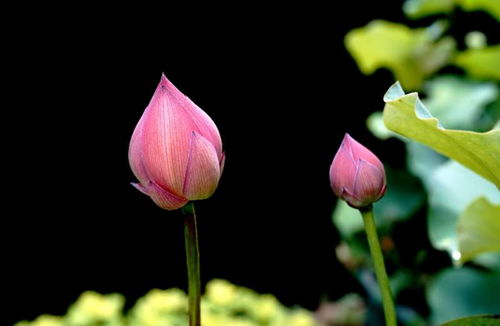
175	150
356	174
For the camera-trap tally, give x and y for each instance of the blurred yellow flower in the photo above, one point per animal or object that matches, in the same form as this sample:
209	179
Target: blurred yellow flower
223	304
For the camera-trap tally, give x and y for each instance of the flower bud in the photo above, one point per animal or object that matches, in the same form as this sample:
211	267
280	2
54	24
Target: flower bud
356	174
176	150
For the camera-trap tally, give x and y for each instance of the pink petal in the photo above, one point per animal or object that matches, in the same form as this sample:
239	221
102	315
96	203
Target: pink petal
370	180
384	188
163	198
135	154
203	169
351	199
139	187
169	122
201	122
342	170
222	162
166	139
361	152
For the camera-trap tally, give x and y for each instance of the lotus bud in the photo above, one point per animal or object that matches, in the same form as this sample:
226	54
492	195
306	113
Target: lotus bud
176	150
356	174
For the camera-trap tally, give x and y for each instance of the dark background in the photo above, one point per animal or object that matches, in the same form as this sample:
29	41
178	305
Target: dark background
282	90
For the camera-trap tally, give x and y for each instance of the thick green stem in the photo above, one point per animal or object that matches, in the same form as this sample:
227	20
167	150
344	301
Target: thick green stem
378	262
193	264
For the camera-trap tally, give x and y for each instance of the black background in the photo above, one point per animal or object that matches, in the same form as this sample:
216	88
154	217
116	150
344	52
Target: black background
282	90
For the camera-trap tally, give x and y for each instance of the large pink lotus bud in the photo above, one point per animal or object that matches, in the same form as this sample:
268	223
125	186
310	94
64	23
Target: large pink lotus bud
175	150
356	174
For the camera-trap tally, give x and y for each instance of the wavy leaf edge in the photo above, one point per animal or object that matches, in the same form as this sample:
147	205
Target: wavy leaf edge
396	93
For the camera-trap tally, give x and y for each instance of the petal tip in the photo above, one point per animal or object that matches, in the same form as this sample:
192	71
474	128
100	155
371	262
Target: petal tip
164	82
347	141
347	138
139	187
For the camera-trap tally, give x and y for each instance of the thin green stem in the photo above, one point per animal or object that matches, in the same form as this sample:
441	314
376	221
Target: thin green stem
378	262
193	264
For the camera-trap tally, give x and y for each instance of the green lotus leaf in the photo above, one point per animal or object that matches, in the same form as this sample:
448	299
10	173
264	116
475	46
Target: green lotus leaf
490	6
479	229
481	320
405	114
457	293
481	62
421	8
452	189
456	102
411	54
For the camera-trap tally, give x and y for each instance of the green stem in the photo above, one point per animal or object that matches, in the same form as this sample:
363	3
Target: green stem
193	264
378	262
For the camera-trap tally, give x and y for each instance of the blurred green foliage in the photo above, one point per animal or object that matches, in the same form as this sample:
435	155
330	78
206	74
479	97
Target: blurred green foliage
469	100
478	229
452	189
462	292
412	54
480	62
451	134
223	304
421	8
